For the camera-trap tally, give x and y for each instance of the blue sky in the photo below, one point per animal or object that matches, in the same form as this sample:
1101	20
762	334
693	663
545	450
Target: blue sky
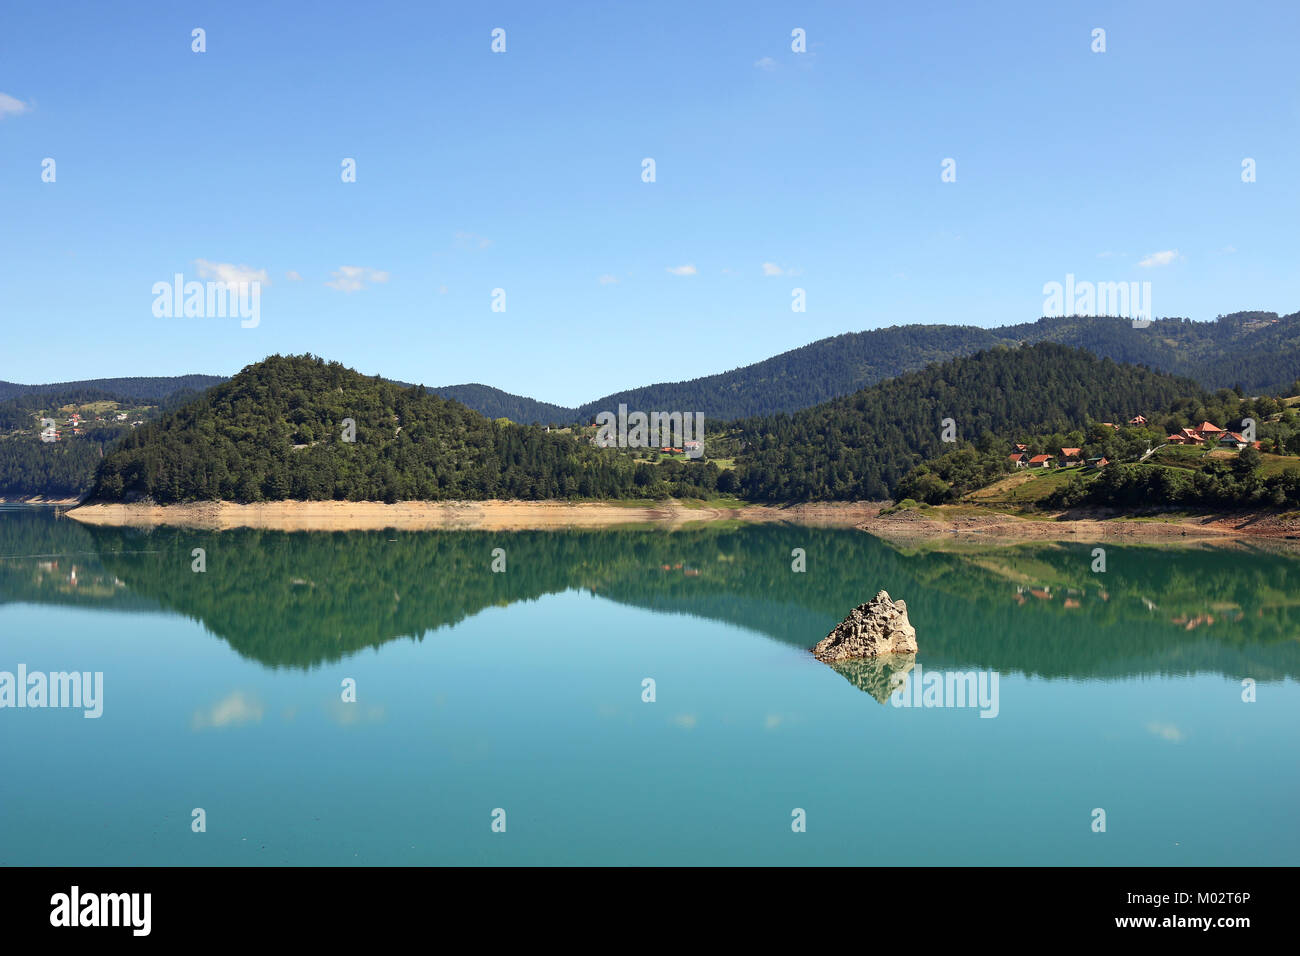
522	171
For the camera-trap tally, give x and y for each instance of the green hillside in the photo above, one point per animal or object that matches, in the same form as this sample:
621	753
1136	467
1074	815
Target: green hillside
494	403
1260	351
139	388
278	430
860	446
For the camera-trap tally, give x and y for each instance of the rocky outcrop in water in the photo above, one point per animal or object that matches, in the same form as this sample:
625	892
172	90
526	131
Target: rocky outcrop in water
878	627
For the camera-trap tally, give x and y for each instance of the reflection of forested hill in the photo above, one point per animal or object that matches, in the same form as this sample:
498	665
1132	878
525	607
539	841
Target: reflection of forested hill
298	600
1033	608
44	561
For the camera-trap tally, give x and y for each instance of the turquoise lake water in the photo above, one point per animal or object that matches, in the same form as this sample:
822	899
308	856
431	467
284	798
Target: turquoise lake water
523	691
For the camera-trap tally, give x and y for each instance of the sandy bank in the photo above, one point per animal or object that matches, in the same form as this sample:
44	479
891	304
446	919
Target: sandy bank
456	515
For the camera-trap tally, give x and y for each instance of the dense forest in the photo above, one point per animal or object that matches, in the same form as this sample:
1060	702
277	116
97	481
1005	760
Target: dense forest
29	466
484	399
495	403
140	389
65	468
280	430
825	369
1258	351
859	447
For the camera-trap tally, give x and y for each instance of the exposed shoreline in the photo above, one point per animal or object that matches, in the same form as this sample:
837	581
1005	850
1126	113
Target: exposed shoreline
998	526
458	515
498	515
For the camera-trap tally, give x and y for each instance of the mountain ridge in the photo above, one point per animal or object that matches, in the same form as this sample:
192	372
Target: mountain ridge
1260	351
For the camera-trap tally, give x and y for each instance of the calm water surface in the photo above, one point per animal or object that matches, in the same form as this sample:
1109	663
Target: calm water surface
523	691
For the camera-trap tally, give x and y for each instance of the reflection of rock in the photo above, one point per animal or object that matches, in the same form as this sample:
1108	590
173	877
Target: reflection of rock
878	676
878	627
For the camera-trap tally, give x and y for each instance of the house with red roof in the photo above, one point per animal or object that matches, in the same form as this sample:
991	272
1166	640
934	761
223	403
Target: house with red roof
1232	440
1071	456
1018	460
1041	461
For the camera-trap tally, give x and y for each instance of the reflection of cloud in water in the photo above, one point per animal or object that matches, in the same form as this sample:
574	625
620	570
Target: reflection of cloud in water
685	721
235	708
1167	731
347	715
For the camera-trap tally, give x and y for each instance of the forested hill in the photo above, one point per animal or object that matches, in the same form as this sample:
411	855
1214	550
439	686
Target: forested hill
802	377
137	389
1260	351
494	403
278	430
860	446
484	399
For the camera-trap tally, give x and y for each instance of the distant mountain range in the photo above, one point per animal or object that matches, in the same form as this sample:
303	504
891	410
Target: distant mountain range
151	389
1260	351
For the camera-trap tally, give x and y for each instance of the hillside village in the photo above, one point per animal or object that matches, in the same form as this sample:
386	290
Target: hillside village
1249	460
76	420
1205	435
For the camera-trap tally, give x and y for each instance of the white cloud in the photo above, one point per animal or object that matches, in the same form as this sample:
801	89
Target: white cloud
608	280
1159	258
354	278
766	63
687	270
469	240
772	269
10	106
1228	250
293	276
230	273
